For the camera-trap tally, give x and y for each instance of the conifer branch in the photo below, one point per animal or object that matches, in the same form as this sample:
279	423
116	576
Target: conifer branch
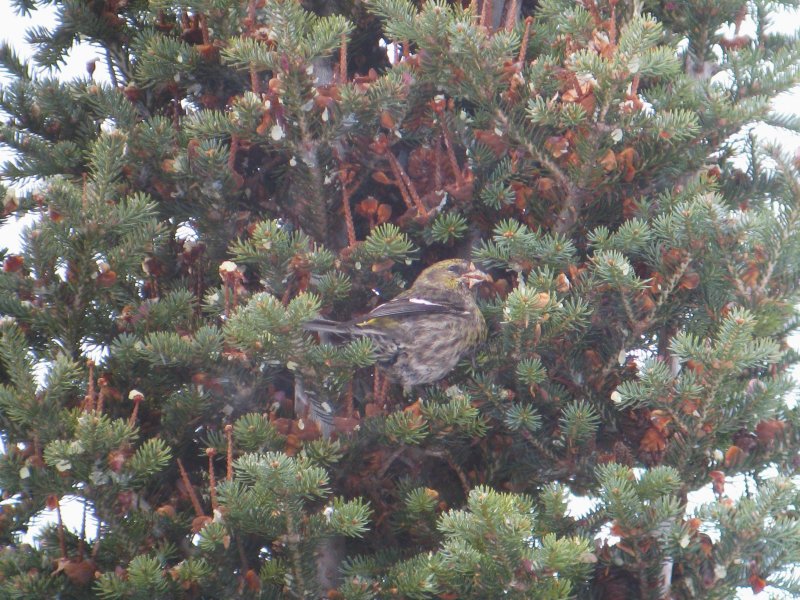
573	198
229	452
212	482
343	59
406	185
292	538
348	213
448	458
512	15
523	47
62	542
451	155
486	14
198	509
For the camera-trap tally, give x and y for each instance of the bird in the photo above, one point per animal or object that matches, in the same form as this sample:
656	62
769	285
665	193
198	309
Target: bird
420	335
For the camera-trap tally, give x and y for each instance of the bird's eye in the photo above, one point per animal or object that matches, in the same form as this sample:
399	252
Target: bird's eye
454	269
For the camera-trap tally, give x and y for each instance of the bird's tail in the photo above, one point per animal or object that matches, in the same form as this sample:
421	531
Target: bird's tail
325	326
307	403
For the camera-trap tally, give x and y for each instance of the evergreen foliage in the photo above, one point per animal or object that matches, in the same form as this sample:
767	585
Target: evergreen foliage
253	164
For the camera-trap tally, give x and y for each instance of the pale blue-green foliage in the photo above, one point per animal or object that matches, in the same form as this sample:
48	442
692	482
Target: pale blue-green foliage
130	223
449	35
513	245
531	371
682	125
448	226
579	422
145	574
731	348
110	586
497	194
167	349
405	427
486	541
585	295
246	111
553	508
522	416
89	434
349	518
735	345
684	220
358	353
421	500
778	533
272	249
646	505
192	570
525	306
388	95
537	311
632	237
513	513
277	475
613	268
279	241
455	416
414	578
245	52
323	452
203	176
294	30
268	327
150	458
401	20
18	400
107	156
654	384
541	111
333	285
640	34
384	242
210	124
163	59
273	493
254	433
92	431
572	20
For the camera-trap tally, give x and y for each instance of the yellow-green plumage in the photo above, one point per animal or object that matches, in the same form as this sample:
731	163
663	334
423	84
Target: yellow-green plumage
421	334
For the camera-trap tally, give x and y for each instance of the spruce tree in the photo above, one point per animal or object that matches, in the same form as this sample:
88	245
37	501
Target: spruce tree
253	164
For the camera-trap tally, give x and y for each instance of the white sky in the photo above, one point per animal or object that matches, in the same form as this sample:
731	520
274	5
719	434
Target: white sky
12	30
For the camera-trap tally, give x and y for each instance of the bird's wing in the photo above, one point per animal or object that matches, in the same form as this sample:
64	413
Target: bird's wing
326	326
409	304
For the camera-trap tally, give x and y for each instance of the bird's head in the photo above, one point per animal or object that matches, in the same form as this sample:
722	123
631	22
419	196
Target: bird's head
451	274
